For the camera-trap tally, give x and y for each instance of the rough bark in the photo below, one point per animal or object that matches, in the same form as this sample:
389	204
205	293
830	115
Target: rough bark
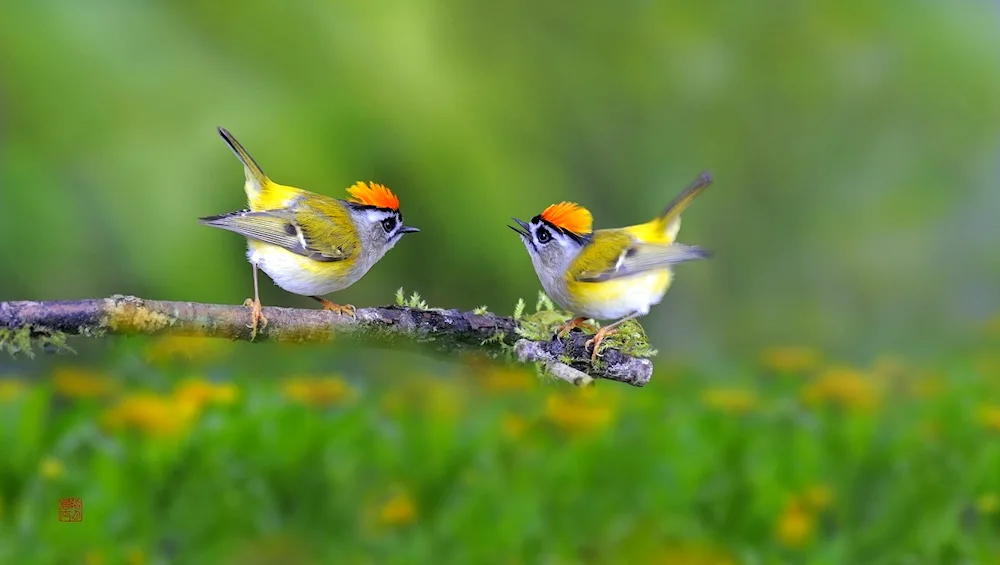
446	331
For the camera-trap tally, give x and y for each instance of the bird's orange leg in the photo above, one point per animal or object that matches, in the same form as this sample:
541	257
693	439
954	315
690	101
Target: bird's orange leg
345	310
605	332
257	319
578	322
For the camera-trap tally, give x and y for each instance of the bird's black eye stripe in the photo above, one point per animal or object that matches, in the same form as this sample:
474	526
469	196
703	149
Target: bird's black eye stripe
543	235
389	223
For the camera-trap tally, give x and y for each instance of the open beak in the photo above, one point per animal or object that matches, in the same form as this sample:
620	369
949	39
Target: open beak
524	231
408	229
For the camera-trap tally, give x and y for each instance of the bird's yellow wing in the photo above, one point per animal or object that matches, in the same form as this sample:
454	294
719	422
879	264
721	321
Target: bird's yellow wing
613	254
322	231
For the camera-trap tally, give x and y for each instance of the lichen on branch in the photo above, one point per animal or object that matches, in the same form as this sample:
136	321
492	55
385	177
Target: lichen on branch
526	338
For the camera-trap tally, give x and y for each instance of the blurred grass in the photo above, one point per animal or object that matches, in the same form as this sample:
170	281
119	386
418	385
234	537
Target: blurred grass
201	451
854	146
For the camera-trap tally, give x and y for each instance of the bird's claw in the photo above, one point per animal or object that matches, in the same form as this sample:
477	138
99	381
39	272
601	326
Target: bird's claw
257	319
596	341
575	323
343	310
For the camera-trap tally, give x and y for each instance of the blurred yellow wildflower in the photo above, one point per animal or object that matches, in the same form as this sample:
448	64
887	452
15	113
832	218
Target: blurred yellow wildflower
790	359
81	383
987	365
319	391
693	555
393	402
988	503
817	497
199	392
796	525
507	379
51	468
928	385
442	397
890	366
168	348
992	326
11	388
399	510
930	431
513	426
278	548
153	414
578	410
842	386
93	557
135	556
989	417
730	400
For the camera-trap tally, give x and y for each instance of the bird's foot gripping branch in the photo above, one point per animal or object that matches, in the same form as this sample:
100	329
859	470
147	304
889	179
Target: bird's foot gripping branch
523	337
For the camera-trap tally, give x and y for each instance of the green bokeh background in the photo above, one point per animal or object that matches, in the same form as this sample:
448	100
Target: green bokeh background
854	147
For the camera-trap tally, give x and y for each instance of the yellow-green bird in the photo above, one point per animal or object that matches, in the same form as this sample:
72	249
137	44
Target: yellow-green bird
310	244
608	274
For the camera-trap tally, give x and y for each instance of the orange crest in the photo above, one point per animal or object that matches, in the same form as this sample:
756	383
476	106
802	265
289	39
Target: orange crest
570	217
373	194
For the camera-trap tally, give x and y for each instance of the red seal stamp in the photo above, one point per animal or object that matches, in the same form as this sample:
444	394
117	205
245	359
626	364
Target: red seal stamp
70	510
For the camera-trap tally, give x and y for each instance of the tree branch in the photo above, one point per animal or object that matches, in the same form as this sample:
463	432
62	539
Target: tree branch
443	330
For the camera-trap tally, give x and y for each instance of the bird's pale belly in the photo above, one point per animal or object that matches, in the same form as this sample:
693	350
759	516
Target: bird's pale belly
617	298
301	275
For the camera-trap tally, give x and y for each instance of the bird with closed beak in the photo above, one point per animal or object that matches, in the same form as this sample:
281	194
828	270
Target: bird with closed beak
310	244
608	274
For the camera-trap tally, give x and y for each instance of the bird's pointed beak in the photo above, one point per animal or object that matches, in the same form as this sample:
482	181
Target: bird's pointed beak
524	231
408	229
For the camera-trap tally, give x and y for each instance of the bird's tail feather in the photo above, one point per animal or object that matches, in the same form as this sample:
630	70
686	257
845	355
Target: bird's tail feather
669	221
256	179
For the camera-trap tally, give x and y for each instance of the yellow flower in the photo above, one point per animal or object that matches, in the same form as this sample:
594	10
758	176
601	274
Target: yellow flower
579	410
929	385
135	556
513	426
730	400
394	402
693	555
437	397
11	388
992	327
199	393
81	383
52	468
153	414
93	557
817	497
989	417
890	366
317	391
399	510
987	365
790	359
796	526
275	548
165	349
842	386
507	379
988	503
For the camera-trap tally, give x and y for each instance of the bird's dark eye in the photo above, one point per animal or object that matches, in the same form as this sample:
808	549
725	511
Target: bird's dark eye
543	235
388	224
